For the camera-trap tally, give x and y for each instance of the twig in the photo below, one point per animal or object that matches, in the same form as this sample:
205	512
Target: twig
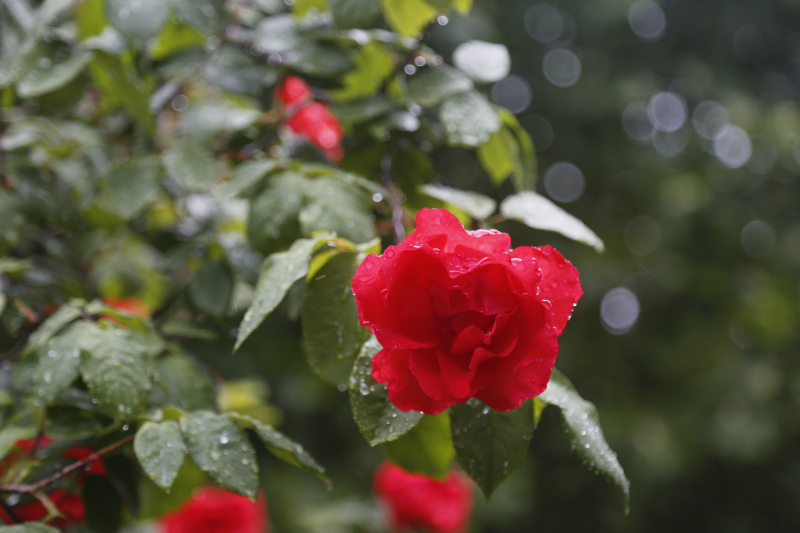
10	511
397	206
32	488
29	314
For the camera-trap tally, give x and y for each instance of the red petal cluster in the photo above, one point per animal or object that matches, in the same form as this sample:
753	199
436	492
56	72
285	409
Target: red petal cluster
216	510
312	121
415	501
460	315
69	504
131	305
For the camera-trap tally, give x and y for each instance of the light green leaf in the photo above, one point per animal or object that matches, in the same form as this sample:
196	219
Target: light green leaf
245	176
483	62
11	434
332	334
137	21
354	13
302	7
407	17
333	205
211	288
373	64
431	85
282	446
43	69
469	119
178	381
205	15
359	111
278	34
526	173
273	222
59	362
377	418
173	39
114	367
490	446
426	449
121	86
130	187
475	204
53	324
278	274
585	434
160	450
538	212
190	165
499	156
319	59
221	450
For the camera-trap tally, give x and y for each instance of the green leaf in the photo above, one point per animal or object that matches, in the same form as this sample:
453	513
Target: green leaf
2	302
483	62
67	422
114	368
332	205
431	85
245	176
490	446
103	505
538	212
302	7
282	446
221	450
332	334
137	21
130	187
175	38
319	59
585	434
211	288
178	381
377	418
354	13
469	119
205	15
525	167
30	527
426	449
359	111
273	221
11	434
373	65
59	362
44	69
52	325
278	274
499	156
121	86
475	204
407	17
160	450
190	165
277	34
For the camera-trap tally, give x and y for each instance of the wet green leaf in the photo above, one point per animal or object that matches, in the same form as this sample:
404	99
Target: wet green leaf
139	20
432	85
585	434
426	449
273	222
44	69
221	450
373	65
130	187
475	204
483	62
332	334
278	274
335	206
490	446
377	418
30	527
211	288
178	381
59	362
320	59
407	17
190	165
354	13
245	176
53	324
538	212
160	450
469	119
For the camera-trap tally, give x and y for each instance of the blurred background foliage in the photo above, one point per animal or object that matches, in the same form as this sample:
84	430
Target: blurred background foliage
671	129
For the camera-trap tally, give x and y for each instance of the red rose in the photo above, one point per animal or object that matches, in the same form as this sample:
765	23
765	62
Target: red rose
309	120
293	91
459	315
416	501
216	510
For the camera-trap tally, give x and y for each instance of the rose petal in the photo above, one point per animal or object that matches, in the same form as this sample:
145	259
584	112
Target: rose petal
424	364
392	368
456	378
433	223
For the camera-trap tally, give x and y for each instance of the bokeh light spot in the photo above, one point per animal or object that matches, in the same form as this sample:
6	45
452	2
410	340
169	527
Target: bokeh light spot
564	182
561	67
619	310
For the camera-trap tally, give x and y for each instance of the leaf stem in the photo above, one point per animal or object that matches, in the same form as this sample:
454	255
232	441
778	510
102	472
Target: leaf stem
397	206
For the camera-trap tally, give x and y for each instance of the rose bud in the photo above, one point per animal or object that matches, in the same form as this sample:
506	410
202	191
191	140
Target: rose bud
216	510
320	127
460	315
416	501
293	92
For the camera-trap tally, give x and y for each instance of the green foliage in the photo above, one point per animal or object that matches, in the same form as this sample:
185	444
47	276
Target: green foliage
160	449
426	449
490	446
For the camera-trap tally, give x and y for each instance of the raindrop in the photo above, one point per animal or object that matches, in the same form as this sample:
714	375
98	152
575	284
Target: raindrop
180	103
635	122
709	118
732	146
43	62
666	111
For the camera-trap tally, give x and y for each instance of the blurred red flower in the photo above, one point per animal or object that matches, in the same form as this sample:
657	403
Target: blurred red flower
216	510
309	120
131	305
416	501
460	315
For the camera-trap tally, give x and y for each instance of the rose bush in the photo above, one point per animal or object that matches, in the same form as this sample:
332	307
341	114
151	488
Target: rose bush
216	510
415	501
460	315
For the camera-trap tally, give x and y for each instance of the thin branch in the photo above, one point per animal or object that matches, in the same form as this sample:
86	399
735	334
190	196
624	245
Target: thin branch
10	511
397	206
32	488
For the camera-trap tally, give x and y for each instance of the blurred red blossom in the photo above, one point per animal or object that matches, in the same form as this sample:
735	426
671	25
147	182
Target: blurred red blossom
216	510
416	501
